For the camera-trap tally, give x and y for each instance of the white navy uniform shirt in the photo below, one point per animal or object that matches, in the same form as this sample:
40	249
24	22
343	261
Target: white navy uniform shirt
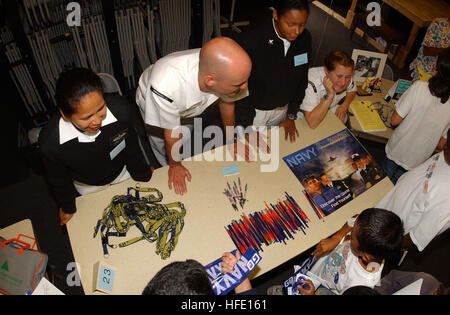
67	130
168	90
316	91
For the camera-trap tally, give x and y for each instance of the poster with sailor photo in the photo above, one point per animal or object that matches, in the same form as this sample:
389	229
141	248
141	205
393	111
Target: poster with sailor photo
334	171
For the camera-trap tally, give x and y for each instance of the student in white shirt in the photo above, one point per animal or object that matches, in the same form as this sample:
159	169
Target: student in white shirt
355	255
421	199
423	117
182	85
330	87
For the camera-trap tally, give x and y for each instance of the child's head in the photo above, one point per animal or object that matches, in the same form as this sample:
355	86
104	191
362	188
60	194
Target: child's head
439	84
180	278
376	235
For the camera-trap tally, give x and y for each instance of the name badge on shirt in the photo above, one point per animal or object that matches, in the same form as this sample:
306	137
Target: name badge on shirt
114	152
300	59
118	137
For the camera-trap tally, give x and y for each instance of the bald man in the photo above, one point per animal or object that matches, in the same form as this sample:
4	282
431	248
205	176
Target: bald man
180	86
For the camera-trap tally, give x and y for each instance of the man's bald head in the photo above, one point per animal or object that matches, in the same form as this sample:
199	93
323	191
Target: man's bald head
224	66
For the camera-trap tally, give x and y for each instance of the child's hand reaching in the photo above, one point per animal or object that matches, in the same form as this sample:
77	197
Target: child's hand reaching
325	246
307	288
229	261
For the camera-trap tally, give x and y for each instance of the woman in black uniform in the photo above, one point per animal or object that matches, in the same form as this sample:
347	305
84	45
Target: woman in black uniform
280	50
90	142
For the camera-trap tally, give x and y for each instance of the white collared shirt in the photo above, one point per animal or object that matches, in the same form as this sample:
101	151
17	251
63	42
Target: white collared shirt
286	43
421	199
314	94
176	93
67	130
175	77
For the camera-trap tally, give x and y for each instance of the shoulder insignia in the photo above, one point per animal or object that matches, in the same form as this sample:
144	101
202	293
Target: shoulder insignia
313	86
160	94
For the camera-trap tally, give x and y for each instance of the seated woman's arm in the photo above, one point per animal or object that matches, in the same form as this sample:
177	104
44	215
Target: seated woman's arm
396	119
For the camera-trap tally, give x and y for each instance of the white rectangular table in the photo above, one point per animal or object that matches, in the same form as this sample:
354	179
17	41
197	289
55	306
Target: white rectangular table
208	212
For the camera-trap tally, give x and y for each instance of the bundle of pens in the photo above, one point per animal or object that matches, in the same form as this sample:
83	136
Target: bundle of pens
235	195
273	224
316	209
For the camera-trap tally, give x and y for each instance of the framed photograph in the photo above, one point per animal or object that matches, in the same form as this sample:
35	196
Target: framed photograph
368	64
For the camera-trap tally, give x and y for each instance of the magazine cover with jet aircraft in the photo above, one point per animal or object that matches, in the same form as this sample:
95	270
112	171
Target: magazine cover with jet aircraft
334	171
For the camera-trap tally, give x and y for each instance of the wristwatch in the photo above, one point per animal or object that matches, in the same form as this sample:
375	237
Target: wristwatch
326	97
292	116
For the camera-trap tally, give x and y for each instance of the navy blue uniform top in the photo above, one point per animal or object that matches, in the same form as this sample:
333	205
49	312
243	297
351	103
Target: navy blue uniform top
275	79
90	163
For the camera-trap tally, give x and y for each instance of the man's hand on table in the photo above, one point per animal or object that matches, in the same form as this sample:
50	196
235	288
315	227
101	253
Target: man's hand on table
177	175
289	129
341	113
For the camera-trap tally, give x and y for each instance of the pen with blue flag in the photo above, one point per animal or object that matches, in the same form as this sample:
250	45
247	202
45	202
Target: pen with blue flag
248	235
308	197
297	212
297	207
255	231
235	239
239	237
294	219
260	226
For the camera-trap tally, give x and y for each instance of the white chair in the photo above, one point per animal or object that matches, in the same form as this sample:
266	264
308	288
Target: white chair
110	84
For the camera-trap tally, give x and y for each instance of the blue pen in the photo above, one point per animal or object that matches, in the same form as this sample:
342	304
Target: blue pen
255	232
283	225
295	205
247	234
281	235
261	228
298	213
285	216
279	222
241	235
272	234
308	197
298	223
292	214
234	239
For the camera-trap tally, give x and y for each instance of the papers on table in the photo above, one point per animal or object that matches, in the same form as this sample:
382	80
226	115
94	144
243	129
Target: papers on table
368	118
